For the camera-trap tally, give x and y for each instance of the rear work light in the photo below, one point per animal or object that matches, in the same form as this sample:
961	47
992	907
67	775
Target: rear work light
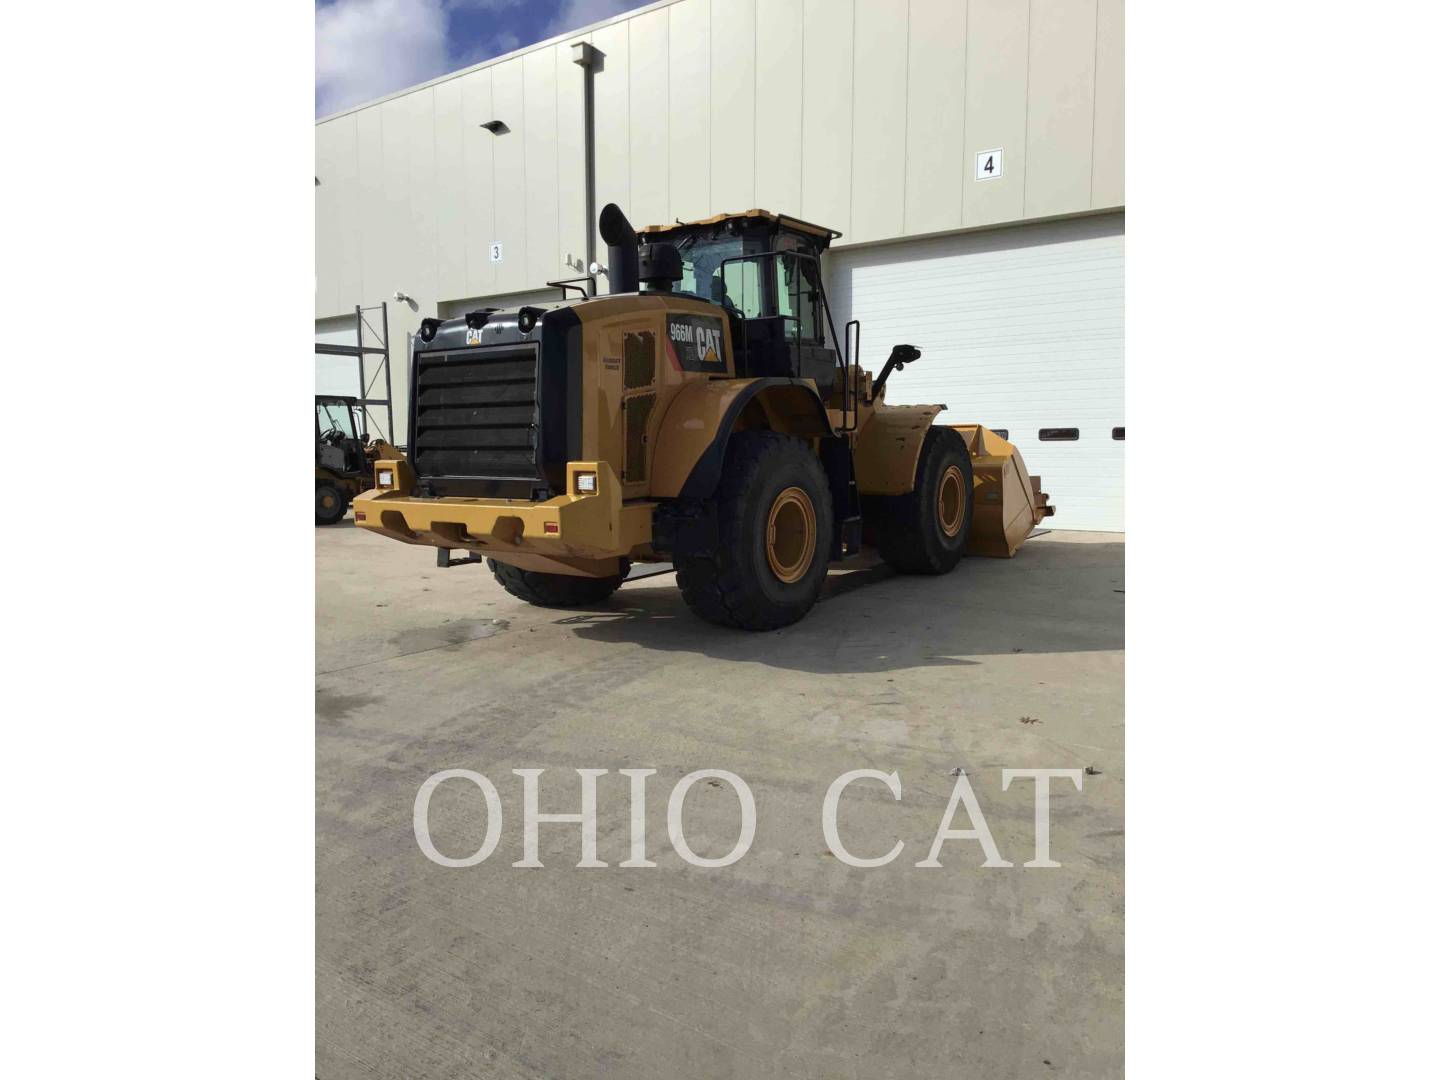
386	478
585	483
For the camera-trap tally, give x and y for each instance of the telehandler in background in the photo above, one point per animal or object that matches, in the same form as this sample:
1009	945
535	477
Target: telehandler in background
698	414
344	456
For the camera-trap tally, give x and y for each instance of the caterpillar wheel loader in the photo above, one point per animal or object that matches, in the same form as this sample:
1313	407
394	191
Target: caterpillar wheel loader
698	414
344	458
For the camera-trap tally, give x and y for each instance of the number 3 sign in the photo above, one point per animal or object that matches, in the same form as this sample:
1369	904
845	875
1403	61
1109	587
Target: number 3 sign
989	164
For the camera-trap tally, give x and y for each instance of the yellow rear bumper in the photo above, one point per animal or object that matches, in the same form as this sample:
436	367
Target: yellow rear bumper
577	534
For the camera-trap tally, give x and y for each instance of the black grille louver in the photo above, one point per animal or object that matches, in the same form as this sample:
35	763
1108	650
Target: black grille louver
476	413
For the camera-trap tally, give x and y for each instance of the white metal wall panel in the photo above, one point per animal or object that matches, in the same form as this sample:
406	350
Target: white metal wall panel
542	179
612	124
1060	108
935	164
649	120
1021	329
779	59
827	96
732	104
1108	172
452	253
997	73
877	163
334	146
507	88
689	109
570	148
476	225
864	115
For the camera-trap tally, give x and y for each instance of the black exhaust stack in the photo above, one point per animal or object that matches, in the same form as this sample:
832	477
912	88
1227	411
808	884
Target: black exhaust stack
624	259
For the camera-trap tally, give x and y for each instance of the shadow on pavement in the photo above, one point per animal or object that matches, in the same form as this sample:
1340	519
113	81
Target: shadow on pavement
1052	597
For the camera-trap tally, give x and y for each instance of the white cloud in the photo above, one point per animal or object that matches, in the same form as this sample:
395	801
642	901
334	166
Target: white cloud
365	49
503	42
577	13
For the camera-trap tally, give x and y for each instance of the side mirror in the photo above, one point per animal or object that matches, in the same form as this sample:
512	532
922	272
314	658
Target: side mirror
900	355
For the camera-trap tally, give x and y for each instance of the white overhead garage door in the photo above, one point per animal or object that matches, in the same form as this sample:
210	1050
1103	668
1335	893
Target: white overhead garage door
1021	329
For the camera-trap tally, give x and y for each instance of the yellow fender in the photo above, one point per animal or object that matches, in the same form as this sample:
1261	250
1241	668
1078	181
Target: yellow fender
887	449
690	446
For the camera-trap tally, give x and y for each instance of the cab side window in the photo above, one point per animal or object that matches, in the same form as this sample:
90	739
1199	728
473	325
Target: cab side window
738	288
799	295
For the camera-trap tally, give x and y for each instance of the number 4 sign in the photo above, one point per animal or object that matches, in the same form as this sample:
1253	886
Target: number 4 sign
989	164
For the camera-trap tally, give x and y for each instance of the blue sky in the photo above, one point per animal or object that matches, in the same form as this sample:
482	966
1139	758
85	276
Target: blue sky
365	49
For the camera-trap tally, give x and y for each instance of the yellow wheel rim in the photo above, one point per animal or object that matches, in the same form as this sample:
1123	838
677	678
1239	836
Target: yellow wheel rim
327	501
790	535
950	502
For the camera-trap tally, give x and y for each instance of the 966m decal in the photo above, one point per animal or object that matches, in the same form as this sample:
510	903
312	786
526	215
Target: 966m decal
695	343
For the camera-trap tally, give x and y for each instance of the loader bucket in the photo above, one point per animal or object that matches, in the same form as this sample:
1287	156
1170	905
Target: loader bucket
1008	500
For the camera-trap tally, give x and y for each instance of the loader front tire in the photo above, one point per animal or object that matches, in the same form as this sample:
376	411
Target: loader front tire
330	504
775	526
555	590
925	531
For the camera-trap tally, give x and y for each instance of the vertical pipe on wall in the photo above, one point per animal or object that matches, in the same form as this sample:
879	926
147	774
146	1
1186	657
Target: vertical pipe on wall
360	360
585	54
389	393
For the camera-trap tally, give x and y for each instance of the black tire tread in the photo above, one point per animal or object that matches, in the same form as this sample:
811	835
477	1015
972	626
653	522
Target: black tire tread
341	501
554	590
717	587
905	530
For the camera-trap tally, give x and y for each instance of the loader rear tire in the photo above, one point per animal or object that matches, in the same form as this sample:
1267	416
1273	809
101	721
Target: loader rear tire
555	590
330	504
925	531
775	526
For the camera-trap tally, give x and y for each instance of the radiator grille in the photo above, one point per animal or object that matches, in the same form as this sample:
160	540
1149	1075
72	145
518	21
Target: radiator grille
475	413
639	350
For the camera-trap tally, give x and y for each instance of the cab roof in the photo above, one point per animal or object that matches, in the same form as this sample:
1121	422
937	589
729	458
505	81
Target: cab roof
781	220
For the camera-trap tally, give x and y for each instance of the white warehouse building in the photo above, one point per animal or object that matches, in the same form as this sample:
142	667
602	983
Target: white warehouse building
971	152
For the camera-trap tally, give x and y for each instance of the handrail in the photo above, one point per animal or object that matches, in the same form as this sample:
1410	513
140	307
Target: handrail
570	283
852	377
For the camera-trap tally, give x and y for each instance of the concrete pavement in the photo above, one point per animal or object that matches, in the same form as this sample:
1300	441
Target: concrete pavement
787	963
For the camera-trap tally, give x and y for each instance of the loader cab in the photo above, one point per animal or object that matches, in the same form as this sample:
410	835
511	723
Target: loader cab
763	269
339	446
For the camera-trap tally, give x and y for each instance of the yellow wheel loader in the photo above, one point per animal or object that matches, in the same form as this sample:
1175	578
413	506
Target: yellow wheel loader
704	413
344	459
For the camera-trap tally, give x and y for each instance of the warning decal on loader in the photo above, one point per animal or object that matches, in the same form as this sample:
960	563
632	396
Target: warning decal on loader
696	343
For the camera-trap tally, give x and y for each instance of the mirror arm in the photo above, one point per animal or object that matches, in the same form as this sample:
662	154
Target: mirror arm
900	355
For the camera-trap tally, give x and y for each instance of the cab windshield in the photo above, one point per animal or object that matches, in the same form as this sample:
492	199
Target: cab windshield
700	267
335	419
